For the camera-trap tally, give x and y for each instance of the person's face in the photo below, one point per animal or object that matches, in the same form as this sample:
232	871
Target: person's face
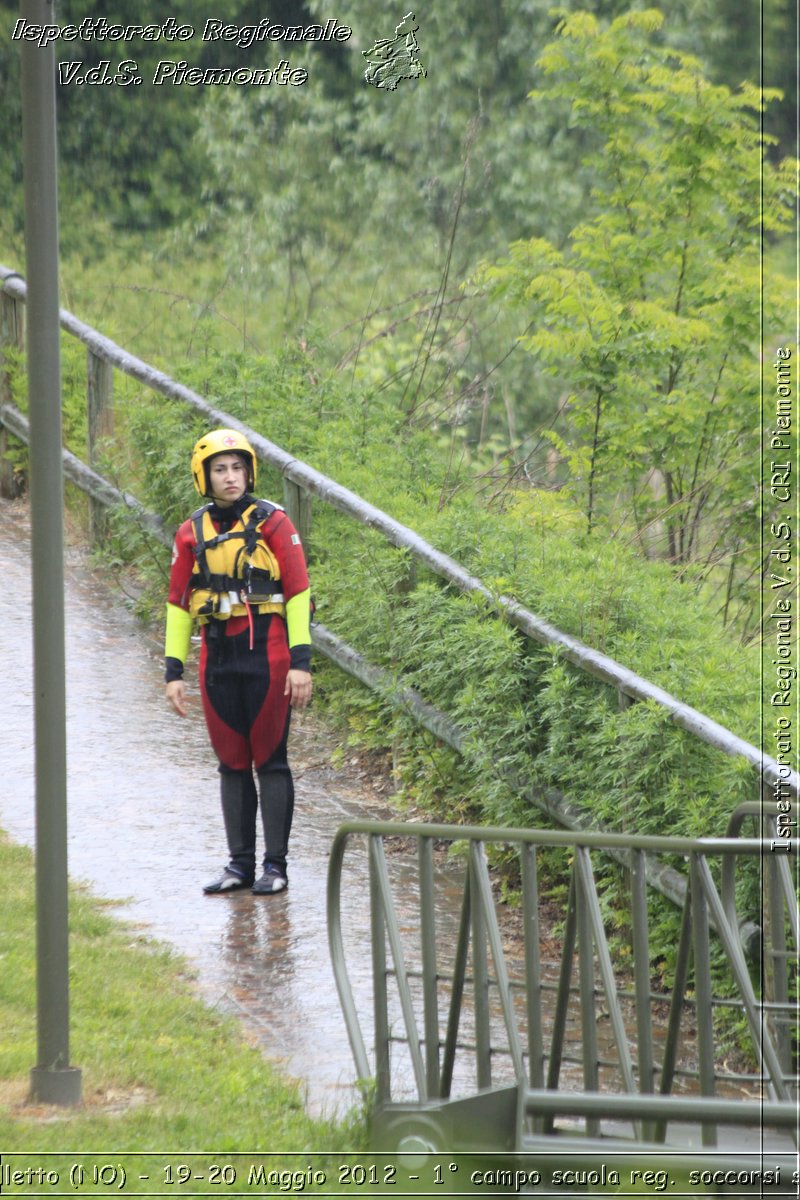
227	475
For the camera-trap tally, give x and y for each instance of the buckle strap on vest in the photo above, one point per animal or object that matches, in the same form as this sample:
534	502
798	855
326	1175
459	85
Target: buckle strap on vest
254	581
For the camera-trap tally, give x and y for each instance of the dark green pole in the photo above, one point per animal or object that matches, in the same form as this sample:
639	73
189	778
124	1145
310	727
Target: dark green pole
53	1080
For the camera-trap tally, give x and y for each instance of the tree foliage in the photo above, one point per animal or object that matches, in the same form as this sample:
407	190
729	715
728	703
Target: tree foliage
650	315
129	150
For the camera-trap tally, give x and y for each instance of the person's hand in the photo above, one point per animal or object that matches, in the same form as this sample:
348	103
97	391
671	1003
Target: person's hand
176	696
298	688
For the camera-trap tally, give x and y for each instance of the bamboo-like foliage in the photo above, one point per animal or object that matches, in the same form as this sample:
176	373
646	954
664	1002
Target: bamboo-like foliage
651	314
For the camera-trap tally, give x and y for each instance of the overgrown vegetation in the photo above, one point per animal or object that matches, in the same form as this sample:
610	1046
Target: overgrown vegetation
648	315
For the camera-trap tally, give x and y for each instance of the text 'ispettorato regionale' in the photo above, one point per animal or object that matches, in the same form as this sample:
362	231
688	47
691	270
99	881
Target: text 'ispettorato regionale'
99	29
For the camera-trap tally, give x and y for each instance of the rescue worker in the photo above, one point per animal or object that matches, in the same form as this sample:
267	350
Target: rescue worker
238	568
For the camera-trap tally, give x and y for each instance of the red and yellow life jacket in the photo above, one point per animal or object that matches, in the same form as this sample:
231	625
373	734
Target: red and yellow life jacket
234	570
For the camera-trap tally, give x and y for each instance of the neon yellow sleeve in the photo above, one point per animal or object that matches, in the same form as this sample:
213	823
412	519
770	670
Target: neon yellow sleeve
298	619
178	634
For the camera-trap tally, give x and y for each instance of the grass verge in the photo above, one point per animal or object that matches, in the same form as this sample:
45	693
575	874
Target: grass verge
161	1071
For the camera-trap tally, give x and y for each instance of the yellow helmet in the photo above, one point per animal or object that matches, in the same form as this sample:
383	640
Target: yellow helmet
221	441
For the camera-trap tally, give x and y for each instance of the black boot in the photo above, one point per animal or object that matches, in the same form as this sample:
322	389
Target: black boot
277	808
239	805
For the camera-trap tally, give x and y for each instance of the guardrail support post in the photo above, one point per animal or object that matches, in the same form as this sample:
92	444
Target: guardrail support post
702	990
383	1087
480	973
775	954
297	502
12	338
100	425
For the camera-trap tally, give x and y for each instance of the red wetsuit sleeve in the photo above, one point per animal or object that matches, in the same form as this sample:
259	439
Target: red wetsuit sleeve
284	541
182	564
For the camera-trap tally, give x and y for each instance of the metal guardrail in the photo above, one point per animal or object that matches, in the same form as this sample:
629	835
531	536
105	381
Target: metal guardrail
308	482
509	1015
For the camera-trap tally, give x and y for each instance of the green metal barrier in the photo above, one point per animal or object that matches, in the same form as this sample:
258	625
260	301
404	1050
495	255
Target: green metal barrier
534	1054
